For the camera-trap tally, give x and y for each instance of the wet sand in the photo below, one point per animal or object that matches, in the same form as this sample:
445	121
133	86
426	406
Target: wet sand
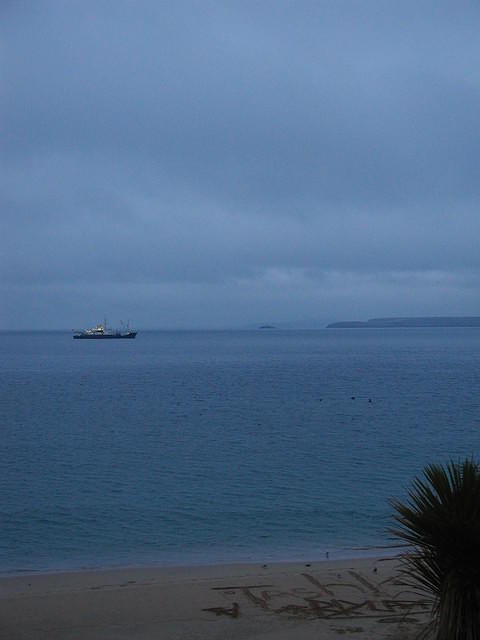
352	598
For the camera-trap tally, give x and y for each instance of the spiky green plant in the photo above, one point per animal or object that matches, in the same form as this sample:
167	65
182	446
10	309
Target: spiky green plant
441	523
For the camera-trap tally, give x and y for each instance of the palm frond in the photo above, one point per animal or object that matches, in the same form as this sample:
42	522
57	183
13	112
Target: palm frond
440	520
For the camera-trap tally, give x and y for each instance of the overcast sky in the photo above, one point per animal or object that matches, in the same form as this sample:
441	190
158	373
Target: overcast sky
225	164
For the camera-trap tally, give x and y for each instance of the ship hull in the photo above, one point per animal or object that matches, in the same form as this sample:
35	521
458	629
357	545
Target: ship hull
109	336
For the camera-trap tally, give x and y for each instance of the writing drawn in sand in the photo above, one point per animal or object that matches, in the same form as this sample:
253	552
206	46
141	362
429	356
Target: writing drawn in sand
352	596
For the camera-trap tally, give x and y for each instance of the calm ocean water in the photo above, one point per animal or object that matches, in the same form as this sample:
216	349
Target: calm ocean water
201	447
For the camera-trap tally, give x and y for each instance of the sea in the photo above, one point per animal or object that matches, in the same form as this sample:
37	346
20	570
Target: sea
206	447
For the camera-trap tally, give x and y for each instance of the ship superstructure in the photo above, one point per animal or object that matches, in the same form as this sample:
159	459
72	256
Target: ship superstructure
102	332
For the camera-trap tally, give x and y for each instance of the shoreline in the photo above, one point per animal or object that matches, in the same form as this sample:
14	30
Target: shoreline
244	601
331	555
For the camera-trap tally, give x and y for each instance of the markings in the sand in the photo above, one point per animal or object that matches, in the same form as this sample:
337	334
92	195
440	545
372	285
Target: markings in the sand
343	630
328	601
116	585
315	582
242	586
233	612
373	588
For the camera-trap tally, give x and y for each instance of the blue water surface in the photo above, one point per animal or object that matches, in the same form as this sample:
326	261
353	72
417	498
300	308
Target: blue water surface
204	447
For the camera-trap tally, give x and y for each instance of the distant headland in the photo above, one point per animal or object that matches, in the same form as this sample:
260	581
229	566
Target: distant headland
433	321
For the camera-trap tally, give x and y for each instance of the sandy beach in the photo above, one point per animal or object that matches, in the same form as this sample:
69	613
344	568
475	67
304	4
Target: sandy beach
353	598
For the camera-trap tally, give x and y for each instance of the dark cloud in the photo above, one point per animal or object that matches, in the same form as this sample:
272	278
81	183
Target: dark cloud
239	161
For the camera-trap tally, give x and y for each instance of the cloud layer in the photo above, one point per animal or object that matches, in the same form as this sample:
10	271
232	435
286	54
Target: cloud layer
211	164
